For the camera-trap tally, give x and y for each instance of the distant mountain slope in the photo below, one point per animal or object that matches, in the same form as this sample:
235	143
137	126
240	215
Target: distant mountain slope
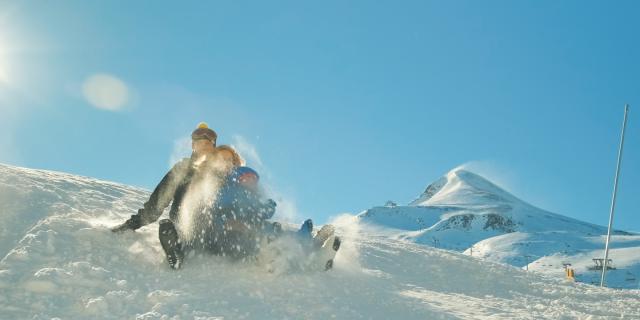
67	264
465	212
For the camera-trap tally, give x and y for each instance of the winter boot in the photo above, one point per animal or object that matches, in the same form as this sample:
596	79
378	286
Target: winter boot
323	235
170	243
306	230
326	245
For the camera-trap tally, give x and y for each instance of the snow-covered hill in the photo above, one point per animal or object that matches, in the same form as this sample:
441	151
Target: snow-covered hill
465	212
60	260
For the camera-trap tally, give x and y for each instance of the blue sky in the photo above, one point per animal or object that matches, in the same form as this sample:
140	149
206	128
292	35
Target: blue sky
345	104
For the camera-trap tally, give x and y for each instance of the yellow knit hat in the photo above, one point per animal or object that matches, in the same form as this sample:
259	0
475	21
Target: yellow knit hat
203	132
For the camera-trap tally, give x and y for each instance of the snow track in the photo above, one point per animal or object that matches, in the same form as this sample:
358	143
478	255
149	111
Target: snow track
63	261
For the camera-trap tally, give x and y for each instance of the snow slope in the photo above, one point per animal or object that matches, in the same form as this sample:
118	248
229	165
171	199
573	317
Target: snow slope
465	212
62	261
546	252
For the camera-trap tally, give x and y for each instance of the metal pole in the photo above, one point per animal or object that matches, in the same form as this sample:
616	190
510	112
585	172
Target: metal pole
613	198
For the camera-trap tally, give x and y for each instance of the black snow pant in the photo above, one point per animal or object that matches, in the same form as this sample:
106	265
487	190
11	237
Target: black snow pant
235	243
171	243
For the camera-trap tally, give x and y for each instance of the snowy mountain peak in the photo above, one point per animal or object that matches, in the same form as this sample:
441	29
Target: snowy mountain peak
462	187
466	212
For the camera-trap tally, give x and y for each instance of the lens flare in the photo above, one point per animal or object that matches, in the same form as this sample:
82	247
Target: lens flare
106	92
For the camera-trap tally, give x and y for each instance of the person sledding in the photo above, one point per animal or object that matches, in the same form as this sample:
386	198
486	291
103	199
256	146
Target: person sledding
192	187
216	206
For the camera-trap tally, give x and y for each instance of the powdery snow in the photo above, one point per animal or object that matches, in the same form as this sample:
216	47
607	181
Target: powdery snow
63	261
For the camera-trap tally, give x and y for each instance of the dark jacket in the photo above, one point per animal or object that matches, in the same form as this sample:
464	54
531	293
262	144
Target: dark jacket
171	189
239	202
234	200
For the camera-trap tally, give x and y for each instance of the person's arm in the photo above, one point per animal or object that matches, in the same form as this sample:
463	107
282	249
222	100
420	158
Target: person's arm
160	199
267	209
249	178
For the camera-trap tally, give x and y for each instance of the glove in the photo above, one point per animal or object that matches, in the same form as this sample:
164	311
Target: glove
271	204
269	209
132	223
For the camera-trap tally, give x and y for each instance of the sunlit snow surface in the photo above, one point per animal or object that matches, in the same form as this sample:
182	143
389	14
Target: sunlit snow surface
465	212
61	260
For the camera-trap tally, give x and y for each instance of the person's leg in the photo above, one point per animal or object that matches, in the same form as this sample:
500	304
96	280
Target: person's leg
271	230
170	243
211	241
306	229
239	245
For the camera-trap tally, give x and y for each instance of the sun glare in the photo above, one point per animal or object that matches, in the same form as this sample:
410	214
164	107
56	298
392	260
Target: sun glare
4	72
4	75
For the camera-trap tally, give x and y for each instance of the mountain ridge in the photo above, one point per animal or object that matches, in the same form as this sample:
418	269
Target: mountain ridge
463	211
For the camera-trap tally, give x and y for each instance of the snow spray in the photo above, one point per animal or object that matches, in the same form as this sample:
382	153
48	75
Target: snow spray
195	211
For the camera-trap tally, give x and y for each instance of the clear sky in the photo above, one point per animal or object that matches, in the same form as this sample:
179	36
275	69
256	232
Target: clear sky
341	105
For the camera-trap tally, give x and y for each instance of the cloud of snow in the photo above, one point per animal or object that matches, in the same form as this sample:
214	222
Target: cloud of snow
181	150
287	210
195	215
248	151
506	178
202	192
348	229
499	175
